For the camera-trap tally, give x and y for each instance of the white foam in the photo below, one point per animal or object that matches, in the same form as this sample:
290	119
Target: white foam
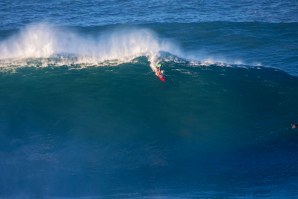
43	42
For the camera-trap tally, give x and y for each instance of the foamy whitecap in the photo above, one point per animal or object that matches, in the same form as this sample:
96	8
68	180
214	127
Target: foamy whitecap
48	43
43	45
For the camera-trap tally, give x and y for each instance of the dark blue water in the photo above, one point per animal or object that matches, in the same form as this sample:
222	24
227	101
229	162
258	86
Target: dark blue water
82	114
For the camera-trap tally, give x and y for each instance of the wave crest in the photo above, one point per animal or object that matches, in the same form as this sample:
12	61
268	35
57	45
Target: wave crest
40	45
45	42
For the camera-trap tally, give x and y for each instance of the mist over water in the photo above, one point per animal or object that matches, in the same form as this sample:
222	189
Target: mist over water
46	41
42	44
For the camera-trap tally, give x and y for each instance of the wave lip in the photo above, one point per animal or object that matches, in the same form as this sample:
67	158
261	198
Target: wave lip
41	45
43	41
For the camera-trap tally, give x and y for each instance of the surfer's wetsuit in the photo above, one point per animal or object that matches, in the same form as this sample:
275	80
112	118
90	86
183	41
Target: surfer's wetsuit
158	66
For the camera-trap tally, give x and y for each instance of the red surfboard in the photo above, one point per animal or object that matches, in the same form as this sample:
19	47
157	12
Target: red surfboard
160	76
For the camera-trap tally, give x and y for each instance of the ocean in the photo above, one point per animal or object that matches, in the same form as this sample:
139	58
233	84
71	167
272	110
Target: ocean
83	114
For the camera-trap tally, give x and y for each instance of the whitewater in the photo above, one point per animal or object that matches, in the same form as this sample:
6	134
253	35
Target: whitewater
44	45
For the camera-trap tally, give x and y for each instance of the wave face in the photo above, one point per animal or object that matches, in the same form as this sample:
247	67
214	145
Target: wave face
109	131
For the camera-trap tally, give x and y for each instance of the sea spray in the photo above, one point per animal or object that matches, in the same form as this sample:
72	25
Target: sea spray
42	45
33	41
62	46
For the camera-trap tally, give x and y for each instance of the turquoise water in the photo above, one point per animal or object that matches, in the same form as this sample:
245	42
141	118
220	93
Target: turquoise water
82	115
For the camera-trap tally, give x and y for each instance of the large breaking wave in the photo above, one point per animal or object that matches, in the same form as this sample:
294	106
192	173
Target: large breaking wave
42	45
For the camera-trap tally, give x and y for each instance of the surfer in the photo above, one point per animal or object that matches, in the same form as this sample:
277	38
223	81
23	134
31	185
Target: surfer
158	67
159	72
294	126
